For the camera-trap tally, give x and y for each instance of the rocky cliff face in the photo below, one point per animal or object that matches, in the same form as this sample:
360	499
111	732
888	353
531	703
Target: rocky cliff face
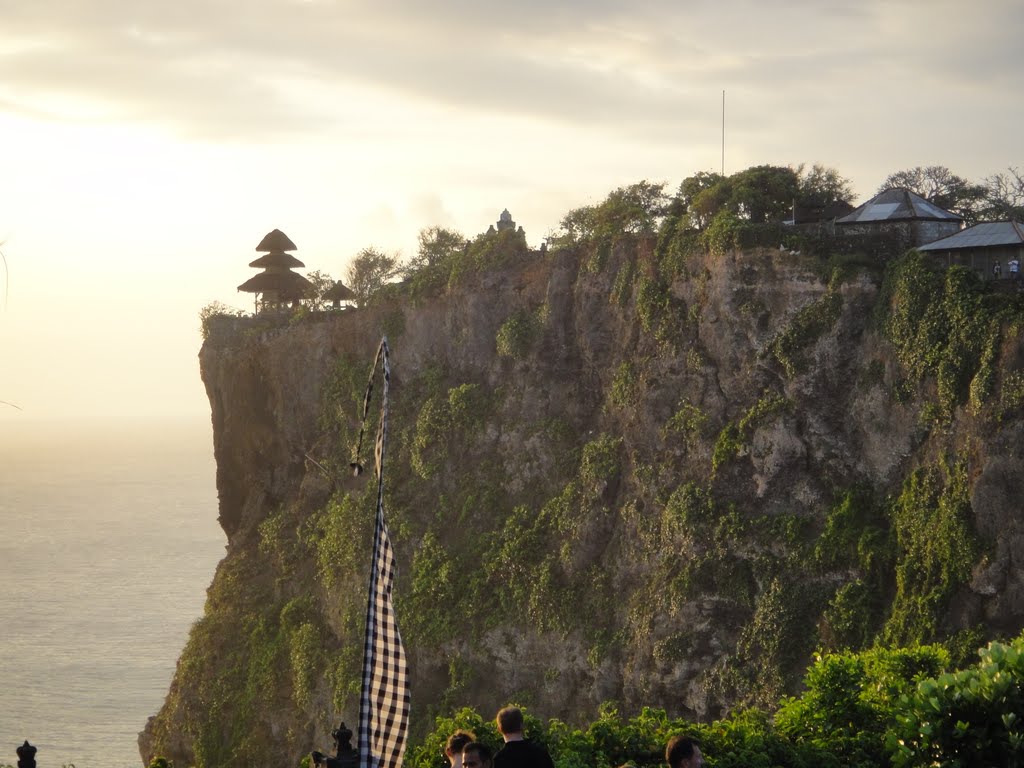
616	474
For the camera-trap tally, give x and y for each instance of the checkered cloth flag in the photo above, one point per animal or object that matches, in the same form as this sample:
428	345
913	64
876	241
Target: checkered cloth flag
384	702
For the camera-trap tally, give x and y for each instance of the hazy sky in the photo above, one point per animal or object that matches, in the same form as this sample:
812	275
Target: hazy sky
148	146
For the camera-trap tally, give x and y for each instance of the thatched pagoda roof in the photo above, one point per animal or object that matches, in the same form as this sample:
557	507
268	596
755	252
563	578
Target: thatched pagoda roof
276	240
339	292
276	259
287	285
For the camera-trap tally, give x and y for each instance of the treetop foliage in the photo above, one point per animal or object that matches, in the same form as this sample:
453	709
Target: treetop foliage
369	271
822	186
997	197
435	245
635	209
937	184
718	212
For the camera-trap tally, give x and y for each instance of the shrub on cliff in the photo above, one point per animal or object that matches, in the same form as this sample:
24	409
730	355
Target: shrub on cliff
213	310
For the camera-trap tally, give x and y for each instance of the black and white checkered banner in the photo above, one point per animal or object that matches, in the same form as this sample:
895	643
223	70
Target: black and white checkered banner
384	703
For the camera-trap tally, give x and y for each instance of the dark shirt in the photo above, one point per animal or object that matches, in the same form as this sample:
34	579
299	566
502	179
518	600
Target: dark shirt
523	754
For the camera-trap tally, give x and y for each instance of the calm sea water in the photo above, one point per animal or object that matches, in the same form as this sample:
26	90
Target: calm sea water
107	544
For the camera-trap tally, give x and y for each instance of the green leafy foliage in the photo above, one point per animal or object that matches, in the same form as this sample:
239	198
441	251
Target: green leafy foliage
369	271
625	386
519	333
943	326
725	233
756	195
436	245
870	709
970	717
444	424
688	420
745	739
636	209
210	314
856	539
822	186
851	700
808	325
733	438
936	549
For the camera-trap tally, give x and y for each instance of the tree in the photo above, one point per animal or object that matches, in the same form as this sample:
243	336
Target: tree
822	186
322	282
1004	196
763	193
851	699
369	270
577	225
636	209
435	245
758	195
701	196
938	185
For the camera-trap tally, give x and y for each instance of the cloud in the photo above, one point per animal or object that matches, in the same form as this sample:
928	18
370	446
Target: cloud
649	70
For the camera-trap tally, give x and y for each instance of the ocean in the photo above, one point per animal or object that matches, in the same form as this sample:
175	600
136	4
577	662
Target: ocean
108	541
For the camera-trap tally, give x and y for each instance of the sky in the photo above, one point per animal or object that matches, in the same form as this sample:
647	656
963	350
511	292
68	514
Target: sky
147	147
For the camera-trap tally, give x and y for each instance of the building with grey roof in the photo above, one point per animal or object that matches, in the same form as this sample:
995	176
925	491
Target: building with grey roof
901	213
981	248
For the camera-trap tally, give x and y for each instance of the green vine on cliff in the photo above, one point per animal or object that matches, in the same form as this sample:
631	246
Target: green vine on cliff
808	325
444	424
943	325
733	438
936	550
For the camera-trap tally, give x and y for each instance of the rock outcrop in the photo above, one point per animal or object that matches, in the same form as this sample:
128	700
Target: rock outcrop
608	481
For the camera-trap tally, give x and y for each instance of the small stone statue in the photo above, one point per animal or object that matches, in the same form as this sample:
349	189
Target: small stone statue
26	755
346	756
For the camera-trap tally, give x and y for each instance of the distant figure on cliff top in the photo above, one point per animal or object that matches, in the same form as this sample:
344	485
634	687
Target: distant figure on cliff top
476	755
518	752
683	752
453	747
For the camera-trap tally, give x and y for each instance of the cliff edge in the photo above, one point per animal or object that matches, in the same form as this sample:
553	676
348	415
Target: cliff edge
615	473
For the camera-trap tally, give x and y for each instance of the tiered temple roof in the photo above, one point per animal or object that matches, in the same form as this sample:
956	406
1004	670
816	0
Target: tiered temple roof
277	282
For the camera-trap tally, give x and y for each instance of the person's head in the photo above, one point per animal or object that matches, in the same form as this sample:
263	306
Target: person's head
510	720
453	747
683	752
476	755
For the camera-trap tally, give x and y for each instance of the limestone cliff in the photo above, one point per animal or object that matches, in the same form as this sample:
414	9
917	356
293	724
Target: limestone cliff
614	476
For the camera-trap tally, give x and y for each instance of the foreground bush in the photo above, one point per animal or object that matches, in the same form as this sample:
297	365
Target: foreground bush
967	718
872	709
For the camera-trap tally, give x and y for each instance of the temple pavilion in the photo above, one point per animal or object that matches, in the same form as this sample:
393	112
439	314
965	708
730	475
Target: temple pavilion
276	285
339	292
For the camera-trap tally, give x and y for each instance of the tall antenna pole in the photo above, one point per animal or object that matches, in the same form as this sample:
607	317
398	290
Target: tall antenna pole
723	132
